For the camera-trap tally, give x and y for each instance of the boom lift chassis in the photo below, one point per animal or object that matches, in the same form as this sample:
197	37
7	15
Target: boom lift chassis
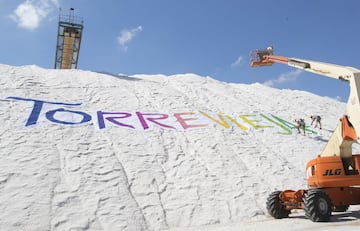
333	177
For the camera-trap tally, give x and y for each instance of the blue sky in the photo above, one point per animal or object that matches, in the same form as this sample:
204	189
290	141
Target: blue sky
208	38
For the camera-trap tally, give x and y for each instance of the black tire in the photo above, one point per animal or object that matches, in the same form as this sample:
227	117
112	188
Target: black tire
317	205
340	208
274	206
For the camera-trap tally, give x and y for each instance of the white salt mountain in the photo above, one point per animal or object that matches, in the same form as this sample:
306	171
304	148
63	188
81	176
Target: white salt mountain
89	151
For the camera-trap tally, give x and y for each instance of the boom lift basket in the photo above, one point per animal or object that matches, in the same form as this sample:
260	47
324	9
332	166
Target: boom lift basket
260	58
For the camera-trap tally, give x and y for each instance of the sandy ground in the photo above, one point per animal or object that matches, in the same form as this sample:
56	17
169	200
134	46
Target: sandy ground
347	221
89	151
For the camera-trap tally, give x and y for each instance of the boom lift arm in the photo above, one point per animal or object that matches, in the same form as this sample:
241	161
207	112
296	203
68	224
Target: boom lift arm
345	133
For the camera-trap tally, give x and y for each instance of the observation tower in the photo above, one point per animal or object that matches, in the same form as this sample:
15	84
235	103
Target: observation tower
68	41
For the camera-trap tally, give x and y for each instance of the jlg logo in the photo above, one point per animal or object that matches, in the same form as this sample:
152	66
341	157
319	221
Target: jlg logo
330	172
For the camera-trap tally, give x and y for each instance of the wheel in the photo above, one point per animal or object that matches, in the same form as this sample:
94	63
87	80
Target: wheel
317	205
340	208
274	206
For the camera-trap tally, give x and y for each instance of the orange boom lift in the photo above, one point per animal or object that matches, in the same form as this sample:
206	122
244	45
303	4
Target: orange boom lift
333	177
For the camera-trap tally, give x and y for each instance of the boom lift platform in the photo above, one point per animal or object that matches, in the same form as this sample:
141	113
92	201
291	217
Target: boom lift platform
333	177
